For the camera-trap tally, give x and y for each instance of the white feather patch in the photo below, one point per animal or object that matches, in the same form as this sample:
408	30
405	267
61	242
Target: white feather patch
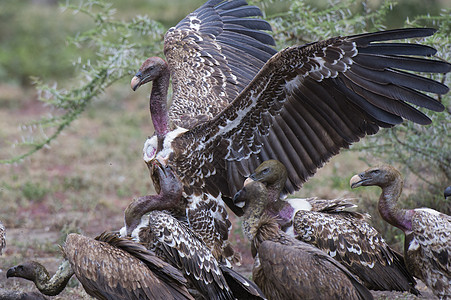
150	148
194	23
144	222
414	245
151	144
299	204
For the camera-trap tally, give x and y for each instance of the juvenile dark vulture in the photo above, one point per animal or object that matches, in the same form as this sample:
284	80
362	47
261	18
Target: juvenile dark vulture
344	235
427	232
286	268
237	103
108	268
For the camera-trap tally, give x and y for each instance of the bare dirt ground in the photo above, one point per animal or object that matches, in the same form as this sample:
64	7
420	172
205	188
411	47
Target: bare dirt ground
84	181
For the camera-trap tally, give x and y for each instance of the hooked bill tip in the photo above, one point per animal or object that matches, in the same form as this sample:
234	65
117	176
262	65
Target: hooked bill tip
354	182
135	83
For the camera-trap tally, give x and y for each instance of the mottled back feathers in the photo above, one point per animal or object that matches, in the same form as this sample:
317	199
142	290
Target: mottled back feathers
213	53
114	268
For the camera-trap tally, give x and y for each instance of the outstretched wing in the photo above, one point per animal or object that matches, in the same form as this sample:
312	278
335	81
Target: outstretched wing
213	54
307	103
182	248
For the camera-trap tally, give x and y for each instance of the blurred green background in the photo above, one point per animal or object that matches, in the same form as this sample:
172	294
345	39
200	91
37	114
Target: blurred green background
33	32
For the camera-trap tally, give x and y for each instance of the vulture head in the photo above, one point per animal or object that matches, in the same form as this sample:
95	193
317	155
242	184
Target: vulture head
38	274
30	270
155	70
272	173
381	176
150	70
165	180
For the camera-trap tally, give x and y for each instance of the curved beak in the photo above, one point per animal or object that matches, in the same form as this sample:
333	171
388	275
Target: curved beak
136	81
11	272
248	180
356	181
157	167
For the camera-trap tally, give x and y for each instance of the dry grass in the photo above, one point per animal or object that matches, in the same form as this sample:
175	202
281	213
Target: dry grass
81	184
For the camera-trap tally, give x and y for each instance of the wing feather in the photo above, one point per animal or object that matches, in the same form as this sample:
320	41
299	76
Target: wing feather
213	54
184	249
242	12
114	268
428	249
308	102
357	245
298	271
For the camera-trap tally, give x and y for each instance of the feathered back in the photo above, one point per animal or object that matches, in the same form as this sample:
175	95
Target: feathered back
115	268
213	53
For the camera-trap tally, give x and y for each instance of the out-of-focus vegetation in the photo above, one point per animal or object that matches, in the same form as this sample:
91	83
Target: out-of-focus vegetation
92	47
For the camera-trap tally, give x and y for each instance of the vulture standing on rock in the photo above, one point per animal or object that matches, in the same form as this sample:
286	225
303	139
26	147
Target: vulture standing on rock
236	103
286	268
174	242
427	232
108	268
344	235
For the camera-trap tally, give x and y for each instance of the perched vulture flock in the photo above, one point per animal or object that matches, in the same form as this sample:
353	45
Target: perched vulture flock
247	126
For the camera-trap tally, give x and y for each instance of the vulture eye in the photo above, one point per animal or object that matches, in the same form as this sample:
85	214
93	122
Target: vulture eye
376	172
265	171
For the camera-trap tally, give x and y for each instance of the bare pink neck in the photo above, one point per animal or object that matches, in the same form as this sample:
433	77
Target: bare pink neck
388	207
158	103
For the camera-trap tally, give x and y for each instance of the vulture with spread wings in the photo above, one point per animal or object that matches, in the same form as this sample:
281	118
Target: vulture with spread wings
236	102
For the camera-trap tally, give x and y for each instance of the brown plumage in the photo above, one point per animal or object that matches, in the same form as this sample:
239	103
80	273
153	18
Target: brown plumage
304	104
174	242
427	232
2	237
286	268
344	235
212	55
108	268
